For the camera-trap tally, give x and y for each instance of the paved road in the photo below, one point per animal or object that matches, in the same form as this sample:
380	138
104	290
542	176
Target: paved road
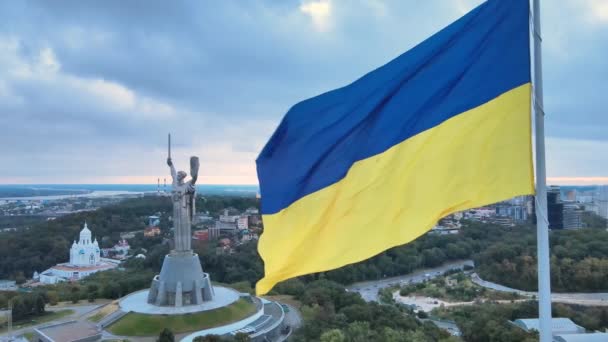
450	327
599	299
293	318
369	289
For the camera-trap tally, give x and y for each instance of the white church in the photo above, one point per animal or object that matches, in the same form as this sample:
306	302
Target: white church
85	259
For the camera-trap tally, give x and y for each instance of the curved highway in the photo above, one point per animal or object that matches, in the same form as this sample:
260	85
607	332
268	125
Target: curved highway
580	298
369	289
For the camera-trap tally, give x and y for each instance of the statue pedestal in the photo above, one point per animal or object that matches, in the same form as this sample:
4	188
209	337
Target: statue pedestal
181	281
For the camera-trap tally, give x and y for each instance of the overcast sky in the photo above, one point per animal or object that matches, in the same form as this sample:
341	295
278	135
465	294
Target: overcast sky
90	89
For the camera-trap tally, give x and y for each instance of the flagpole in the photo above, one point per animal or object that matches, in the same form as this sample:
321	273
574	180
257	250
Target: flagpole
542	222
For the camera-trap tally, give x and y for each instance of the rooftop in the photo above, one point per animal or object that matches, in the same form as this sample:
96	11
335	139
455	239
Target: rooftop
69	331
68	267
225	225
558	325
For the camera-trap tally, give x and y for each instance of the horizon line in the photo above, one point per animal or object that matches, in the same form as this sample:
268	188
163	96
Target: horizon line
223	184
566	181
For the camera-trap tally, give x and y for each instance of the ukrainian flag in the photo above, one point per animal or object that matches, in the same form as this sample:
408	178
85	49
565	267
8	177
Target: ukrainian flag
442	128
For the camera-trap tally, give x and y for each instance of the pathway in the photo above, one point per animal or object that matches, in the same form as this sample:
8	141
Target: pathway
427	304
589	299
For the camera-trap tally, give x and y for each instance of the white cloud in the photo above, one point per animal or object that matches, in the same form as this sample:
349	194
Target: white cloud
44	72
47	61
118	98
44	63
110	92
598	9
465	6
320	13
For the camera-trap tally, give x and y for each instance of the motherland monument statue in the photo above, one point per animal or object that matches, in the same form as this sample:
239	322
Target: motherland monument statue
181	280
182	292
183	196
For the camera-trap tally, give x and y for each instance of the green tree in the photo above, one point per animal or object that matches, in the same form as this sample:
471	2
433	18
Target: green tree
20	278
422	315
242	337
52	297
39	306
91	297
604	318
592	220
75	294
166	335
111	290
417	336
20	311
334	335
392	335
92	288
359	332
3	300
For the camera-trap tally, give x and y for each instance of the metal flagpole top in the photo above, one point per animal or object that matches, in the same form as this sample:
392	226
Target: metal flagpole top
169	145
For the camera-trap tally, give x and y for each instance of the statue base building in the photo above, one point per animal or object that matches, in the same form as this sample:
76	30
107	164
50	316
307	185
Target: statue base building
181	282
182	289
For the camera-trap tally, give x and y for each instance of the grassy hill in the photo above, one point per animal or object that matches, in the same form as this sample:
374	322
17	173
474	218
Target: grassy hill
137	324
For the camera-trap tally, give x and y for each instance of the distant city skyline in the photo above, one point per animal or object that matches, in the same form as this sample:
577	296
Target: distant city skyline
88	91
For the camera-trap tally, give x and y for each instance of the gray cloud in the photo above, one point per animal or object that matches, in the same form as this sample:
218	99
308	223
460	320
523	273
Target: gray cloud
93	87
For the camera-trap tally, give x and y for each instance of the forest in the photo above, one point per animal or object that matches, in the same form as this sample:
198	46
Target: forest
579	260
489	321
47	243
333	314
25	305
505	255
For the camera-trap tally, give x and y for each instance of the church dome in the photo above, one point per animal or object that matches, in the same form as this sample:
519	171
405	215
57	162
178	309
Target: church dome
85	251
85	234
